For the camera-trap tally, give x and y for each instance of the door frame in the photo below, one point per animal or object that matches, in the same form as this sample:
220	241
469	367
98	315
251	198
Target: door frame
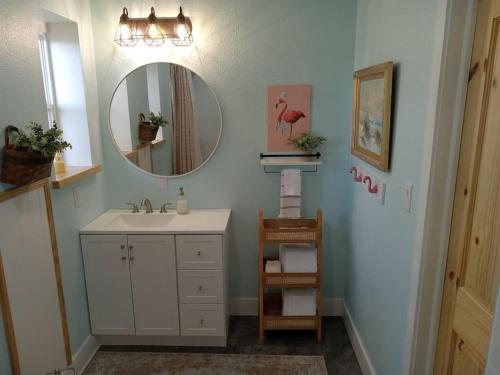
453	40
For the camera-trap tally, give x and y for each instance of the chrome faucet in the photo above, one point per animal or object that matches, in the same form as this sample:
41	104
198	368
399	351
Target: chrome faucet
147	203
135	209
163	209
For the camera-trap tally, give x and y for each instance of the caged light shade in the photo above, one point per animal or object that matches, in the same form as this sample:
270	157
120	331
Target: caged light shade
154	36
124	35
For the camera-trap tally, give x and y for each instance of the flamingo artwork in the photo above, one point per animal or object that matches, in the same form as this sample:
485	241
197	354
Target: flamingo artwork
287	116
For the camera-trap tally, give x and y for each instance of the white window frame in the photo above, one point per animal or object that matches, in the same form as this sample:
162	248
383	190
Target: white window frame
48	83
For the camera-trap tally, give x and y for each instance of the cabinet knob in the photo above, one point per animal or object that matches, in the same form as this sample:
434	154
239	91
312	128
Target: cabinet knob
202	322
198	253
200	288
122	247
124	257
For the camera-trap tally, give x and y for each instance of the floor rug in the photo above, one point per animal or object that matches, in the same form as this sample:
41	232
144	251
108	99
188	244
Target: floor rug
140	363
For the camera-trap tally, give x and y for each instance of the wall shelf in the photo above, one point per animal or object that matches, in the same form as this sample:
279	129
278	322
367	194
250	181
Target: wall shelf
74	175
284	160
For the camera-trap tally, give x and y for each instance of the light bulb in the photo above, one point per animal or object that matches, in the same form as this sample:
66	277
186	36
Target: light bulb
124	31
153	31
154	36
181	31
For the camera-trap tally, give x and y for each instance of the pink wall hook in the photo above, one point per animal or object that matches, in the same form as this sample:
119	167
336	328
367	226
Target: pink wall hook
354	172
372	189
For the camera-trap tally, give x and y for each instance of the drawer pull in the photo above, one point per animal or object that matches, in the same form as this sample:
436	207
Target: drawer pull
202	322
200	288
198	253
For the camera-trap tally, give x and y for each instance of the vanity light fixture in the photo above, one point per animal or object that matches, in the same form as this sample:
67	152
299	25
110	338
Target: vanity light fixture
153	30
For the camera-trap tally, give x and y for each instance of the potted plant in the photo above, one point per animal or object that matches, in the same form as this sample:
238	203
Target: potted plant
148	129
30	155
307	141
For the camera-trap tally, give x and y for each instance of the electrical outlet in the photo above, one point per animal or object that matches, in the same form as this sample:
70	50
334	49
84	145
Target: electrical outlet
76	197
406	196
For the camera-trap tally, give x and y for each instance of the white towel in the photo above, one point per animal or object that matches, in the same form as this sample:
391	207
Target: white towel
298	258
291	182
273	266
299	302
290	194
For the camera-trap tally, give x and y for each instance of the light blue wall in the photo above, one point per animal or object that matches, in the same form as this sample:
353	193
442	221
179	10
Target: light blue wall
240	48
382	237
21	100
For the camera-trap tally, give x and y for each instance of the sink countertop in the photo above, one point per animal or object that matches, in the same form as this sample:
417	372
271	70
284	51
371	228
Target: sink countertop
196	221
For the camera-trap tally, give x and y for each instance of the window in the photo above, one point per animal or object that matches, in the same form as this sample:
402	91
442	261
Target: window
48	82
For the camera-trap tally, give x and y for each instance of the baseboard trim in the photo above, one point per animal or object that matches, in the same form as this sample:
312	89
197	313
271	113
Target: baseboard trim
357	343
85	353
249	306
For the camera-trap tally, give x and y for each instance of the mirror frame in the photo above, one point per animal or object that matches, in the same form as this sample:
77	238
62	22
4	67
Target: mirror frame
154	174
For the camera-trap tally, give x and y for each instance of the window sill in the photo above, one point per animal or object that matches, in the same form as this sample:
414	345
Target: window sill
73	175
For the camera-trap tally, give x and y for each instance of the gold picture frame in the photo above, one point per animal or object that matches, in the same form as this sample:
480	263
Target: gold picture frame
371	114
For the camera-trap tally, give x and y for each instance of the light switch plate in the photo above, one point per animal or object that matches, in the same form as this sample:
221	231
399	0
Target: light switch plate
406	196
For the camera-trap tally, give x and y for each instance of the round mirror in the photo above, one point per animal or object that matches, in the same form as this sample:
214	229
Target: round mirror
165	119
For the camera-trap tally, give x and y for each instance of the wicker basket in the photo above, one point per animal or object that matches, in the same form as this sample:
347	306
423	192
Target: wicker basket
147	131
20	167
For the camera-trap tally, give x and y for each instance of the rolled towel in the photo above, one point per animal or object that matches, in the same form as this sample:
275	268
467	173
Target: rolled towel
299	302
273	266
290	194
291	182
298	258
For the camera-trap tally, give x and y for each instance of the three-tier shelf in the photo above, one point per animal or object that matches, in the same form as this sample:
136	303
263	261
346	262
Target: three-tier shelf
280	231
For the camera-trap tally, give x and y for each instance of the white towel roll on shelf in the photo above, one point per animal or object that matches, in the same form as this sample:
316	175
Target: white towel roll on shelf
298	258
299	302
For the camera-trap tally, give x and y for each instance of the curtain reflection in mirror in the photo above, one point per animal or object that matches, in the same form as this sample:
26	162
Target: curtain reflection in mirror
186	145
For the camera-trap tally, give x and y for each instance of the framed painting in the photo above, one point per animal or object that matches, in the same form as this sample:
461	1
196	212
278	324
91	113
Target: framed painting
288	115
371	117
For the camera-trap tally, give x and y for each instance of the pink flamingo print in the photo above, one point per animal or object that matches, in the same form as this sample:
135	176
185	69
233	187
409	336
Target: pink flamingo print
290	117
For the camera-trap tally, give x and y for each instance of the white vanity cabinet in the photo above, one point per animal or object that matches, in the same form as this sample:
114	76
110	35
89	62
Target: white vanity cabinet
131	284
158	285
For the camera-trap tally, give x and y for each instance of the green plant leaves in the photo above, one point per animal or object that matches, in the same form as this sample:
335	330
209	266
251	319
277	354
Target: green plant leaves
47	142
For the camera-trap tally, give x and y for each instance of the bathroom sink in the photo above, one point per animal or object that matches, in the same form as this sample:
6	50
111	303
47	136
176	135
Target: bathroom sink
116	221
140	221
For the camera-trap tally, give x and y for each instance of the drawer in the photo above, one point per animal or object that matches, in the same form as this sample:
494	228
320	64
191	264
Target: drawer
198	252
202	319
200	286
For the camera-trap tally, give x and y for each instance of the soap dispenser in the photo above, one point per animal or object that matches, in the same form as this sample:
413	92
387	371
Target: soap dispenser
182	203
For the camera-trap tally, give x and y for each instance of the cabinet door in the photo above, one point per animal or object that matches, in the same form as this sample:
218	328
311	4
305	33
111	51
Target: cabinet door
154	284
107	277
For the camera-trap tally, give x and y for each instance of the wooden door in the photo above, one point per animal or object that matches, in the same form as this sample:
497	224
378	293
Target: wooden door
154	284
107	276
473	265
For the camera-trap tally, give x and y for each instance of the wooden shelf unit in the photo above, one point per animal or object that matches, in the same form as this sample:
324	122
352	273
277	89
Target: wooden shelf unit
276	231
